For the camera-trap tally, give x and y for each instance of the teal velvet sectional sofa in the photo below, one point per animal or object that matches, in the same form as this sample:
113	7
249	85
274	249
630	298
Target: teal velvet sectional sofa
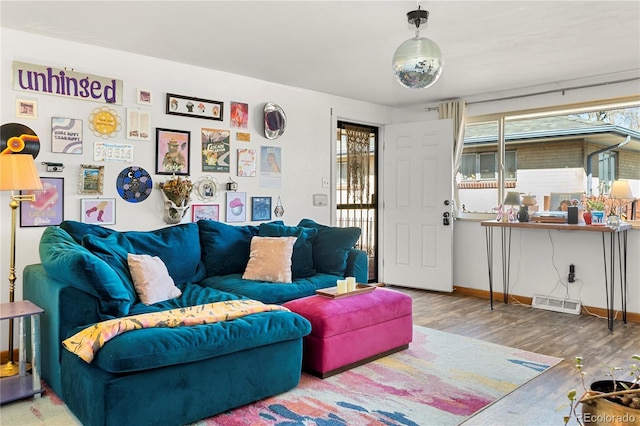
178	375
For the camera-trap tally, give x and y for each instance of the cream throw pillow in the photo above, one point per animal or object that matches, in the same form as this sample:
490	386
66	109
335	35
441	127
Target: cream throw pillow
270	259
151	279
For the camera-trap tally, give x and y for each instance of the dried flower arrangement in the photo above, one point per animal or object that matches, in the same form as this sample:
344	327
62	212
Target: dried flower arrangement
178	190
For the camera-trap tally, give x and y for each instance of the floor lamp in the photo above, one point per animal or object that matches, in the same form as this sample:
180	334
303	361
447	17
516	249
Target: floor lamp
17	172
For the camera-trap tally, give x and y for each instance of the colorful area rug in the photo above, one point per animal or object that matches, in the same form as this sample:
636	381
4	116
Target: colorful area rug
442	379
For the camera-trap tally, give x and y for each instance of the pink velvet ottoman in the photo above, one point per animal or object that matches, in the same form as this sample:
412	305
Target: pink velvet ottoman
350	331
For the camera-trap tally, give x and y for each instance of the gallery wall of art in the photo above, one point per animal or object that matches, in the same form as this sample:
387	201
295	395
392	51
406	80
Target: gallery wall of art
155	119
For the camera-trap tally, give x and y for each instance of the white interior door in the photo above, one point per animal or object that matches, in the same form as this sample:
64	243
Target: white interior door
417	245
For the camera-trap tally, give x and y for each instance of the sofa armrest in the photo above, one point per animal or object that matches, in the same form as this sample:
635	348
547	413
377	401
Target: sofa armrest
65	308
357	265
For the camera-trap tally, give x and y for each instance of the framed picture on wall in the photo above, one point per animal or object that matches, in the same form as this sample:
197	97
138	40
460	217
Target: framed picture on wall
48	207
236	206
194	107
91	179
172	152
205	212
98	211
66	135
260	208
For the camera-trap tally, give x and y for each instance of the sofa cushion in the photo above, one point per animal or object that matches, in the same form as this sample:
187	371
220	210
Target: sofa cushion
178	246
66	260
270	259
151	279
175	245
113	249
302	259
151	348
267	292
225	248
78	230
331	246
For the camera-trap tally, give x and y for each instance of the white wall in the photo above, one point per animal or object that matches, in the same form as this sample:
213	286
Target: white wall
307	148
307	143
537	254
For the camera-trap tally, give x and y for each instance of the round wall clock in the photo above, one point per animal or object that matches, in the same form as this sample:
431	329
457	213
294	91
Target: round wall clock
134	184
105	122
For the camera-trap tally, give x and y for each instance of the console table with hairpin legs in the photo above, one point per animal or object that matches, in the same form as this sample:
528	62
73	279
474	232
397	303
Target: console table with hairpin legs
613	252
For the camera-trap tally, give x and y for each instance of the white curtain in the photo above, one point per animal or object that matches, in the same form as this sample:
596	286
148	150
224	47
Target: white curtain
456	110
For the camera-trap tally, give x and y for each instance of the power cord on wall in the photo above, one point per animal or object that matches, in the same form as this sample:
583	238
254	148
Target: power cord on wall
565	284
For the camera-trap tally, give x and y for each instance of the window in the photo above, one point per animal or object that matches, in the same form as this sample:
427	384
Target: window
548	151
484	166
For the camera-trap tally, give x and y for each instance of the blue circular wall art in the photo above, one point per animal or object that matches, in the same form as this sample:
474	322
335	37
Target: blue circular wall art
134	184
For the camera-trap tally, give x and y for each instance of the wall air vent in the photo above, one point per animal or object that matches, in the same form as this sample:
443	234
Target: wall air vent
556	304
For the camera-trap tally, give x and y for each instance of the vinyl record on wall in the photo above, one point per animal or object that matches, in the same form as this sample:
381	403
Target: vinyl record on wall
17	138
134	184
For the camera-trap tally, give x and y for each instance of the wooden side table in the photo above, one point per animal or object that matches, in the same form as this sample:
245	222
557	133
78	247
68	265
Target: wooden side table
23	385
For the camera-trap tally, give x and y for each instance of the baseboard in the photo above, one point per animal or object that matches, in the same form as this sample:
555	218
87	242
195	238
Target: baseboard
586	310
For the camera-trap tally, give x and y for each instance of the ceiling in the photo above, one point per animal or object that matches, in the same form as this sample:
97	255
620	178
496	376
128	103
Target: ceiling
345	47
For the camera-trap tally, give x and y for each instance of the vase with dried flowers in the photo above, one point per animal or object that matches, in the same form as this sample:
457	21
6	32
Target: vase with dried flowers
177	196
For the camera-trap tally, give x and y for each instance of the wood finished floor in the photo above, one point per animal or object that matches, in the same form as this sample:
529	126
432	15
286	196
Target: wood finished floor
546	332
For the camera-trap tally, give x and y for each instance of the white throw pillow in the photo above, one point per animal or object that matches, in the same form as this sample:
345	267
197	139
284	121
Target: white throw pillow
151	279
270	259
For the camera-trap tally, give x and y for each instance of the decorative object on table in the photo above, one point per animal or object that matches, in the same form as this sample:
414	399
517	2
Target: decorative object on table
572	215
215	150
595	208
172	152
47	209
341	286
138	124
91	179
351	283
231	185
530	202
176	193
17	173
194	107
523	214
279	210
260	208
98	211
417	63
501	217
620	191
66	135
134	184
236	206
16	138
340	290
617	397
206	188
105	122
205	212
247	162
512	199
275	121
26	108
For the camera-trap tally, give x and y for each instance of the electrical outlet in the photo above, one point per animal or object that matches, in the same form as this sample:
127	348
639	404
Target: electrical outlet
325	182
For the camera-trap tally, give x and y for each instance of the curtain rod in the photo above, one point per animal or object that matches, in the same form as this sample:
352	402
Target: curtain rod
546	92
